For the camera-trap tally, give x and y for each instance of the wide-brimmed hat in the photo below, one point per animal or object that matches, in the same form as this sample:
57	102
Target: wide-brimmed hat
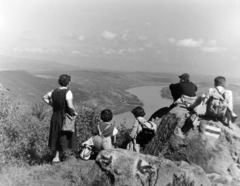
184	75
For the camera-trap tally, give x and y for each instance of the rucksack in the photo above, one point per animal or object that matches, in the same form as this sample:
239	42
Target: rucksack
146	134
217	105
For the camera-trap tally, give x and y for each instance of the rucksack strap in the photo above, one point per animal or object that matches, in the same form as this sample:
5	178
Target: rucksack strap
100	133
222	94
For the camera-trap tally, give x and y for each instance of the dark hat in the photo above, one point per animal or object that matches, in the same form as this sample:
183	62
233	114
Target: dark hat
184	75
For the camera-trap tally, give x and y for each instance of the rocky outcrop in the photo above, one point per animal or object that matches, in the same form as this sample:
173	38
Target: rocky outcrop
120	167
211	145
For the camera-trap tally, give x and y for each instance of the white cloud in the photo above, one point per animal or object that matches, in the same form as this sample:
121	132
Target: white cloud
141	49
212	42
149	45
120	51
39	50
68	36
125	37
213	49
108	35
108	51
127	30
75	52
171	40
131	50
190	42
81	38
142	38
159	52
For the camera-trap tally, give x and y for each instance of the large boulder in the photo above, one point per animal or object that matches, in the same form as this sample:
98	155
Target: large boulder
211	145
120	167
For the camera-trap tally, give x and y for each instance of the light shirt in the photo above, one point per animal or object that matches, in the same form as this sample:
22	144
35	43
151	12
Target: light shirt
227	95
69	94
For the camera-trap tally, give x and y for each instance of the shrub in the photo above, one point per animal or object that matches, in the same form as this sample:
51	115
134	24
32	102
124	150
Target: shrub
24	131
181	181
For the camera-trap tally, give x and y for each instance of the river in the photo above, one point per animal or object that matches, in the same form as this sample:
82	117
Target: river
152	100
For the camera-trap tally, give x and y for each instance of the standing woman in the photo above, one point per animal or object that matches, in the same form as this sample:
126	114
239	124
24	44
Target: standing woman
61	101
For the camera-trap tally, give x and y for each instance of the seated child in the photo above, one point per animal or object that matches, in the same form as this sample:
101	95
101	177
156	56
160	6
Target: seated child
106	132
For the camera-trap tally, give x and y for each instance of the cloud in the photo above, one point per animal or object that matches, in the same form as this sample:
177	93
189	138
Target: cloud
69	36
190	42
213	49
120	51
39	50
75	52
212	42
108	51
142	38
149	45
132	50
125	37
171	40
79	53
80	38
141	49
108	35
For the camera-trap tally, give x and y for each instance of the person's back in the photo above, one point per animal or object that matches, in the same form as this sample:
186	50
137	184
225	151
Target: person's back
225	114
106	132
183	88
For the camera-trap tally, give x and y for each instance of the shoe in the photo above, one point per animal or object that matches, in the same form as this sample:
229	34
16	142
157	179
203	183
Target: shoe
56	160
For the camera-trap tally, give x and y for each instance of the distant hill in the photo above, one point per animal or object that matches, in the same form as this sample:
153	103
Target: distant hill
23	85
105	89
16	63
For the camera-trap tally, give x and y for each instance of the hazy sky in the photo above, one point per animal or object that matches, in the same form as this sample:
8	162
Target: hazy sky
195	36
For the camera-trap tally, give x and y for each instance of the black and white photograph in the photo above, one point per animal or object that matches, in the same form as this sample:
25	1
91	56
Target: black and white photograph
119	93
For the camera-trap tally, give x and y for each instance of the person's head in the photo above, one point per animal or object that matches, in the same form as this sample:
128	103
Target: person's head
106	115
138	112
220	81
64	80
184	77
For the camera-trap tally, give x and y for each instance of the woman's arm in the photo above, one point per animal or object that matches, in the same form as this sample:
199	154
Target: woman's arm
47	99
134	131
69	98
71	106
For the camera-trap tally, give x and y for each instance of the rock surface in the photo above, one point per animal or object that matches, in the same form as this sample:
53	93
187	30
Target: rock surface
120	167
212	146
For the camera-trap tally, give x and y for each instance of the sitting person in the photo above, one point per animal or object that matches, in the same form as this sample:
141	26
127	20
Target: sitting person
142	130
183	92
224	109
106	132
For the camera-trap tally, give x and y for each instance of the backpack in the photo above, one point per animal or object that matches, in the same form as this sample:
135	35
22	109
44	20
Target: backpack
147	133
216	105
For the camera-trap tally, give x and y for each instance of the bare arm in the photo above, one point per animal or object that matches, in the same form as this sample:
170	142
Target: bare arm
134	131
71	106
47	99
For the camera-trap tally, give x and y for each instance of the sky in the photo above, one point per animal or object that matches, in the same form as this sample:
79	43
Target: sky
194	36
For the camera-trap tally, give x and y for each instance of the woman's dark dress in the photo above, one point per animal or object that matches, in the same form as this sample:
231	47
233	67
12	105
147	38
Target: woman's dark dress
58	139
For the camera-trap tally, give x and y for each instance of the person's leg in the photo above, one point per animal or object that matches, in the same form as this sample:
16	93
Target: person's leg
56	158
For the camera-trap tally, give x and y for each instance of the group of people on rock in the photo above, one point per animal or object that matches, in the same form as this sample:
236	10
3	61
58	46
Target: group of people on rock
104	135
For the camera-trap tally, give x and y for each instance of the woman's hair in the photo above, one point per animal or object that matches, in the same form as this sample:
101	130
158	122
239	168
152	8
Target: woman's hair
64	80
220	81
138	112
106	115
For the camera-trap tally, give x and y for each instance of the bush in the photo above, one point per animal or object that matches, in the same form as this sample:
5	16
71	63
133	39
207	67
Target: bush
181	181
24	131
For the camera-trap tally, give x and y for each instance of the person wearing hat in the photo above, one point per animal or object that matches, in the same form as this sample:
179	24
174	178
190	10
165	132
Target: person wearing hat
183	88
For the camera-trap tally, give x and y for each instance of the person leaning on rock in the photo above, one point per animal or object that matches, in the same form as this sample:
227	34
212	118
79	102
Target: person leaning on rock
183	92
